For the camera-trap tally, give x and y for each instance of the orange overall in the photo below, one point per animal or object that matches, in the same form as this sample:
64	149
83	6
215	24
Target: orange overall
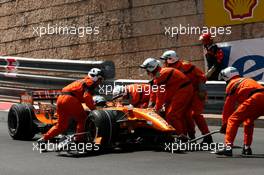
69	106
176	95
139	94
249	96
197	78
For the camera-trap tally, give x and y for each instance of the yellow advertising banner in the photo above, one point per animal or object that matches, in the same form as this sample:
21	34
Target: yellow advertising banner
231	12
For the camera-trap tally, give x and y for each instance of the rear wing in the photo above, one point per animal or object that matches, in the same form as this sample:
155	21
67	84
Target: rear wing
30	97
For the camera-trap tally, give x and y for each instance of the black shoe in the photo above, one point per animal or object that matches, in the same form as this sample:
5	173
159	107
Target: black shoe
191	136
246	151
182	139
225	152
207	140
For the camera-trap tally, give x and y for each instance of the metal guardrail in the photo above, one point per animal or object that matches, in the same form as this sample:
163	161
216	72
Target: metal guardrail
216	97
18	75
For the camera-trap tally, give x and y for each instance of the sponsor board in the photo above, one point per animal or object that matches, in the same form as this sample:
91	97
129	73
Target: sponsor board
246	55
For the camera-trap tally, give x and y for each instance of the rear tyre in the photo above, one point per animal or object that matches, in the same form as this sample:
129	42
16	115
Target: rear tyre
20	122
104	124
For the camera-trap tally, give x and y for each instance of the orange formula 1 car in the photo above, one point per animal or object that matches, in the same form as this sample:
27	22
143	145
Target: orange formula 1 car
107	126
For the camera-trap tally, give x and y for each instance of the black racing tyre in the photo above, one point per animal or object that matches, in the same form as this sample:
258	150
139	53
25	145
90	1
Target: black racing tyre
20	122
104	123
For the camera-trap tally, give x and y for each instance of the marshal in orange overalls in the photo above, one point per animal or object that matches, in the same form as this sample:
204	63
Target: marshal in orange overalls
69	106
249	96
198	80
176	96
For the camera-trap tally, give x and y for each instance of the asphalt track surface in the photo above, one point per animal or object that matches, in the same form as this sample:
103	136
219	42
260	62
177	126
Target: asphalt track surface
17	158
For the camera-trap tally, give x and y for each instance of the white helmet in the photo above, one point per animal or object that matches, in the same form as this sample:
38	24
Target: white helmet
228	73
99	100
119	91
170	56
150	64
95	74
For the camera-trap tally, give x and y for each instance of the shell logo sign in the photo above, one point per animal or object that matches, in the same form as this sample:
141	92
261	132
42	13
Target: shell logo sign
240	9
231	12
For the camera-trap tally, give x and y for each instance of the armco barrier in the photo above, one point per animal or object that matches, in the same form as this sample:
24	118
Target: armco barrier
18	75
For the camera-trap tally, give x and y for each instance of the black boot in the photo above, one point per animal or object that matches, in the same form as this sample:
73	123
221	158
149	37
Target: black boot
183	139
227	151
246	151
191	136
207	140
